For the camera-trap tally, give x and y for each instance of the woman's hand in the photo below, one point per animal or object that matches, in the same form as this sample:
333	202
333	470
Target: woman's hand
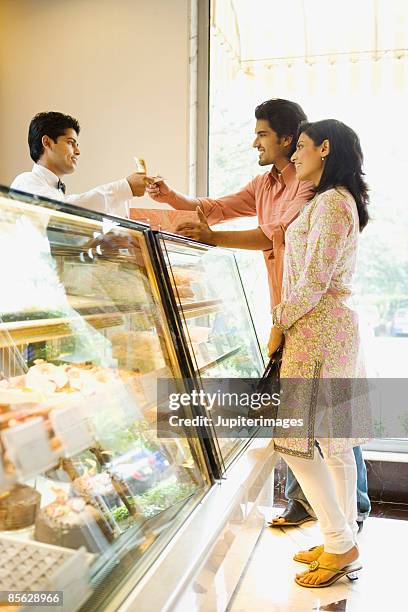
275	340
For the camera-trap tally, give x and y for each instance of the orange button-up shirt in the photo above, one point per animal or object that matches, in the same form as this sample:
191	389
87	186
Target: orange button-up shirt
276	199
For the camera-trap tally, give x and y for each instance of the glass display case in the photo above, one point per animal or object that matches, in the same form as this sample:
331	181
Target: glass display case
216	320
94	310
83	339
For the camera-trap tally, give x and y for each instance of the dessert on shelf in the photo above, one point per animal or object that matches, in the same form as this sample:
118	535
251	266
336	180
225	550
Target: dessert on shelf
140	351
90	480
101	491
184	291
71	522
45	384
44	380
106	282
182	279
18	507
182	276
96	486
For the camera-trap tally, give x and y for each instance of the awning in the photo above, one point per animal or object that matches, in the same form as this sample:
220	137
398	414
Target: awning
269	32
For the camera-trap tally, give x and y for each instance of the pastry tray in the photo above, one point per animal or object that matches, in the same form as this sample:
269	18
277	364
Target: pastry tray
34	566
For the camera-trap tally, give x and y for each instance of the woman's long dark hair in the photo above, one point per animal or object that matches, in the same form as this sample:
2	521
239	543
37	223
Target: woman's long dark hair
343	164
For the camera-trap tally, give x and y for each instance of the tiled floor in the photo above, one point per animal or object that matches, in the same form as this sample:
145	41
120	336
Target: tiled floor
268	585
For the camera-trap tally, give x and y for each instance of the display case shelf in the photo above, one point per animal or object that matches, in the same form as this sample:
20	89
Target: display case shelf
193	310
204	368
33	327
40	330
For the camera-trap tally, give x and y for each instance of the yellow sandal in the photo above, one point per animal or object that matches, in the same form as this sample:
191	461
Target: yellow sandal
349	570
320	546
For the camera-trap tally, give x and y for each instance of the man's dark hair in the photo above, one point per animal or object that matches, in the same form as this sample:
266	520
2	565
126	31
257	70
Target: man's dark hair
50	124
343	166
284	118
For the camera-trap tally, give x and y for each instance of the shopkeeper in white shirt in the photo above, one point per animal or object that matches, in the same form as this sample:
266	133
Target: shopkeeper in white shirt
53	142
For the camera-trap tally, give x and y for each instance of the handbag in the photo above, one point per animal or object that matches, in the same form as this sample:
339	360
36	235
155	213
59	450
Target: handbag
269	384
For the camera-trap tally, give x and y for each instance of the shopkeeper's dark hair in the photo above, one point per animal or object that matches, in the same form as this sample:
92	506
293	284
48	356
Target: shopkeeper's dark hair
50	124
284	118
343	166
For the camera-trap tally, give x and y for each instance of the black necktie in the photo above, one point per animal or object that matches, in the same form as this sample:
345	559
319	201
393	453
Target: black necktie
61	186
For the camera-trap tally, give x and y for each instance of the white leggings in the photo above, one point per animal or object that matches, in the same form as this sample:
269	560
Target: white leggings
330	485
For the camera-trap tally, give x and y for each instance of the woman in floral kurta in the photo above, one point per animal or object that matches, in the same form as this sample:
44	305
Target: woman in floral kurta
321	335
321	338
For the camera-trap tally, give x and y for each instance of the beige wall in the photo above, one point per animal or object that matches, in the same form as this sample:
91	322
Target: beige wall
119	66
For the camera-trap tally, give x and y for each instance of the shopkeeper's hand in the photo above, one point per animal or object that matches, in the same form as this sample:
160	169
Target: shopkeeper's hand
137	182
197	231
275	340
158	190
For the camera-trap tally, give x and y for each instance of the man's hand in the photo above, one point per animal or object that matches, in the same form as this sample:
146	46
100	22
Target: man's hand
197	231
158	190
275	340
137	182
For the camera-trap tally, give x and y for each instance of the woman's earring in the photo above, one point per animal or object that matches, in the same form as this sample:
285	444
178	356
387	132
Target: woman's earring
322	158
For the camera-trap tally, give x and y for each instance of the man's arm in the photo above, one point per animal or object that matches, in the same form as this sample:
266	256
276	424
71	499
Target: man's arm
254	239
267	237
211	211
159	191
112	198
216	210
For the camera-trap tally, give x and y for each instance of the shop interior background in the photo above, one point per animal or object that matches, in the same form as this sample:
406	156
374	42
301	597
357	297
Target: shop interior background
120	66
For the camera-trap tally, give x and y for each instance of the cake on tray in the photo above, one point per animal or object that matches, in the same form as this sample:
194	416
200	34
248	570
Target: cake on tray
19	507
70	522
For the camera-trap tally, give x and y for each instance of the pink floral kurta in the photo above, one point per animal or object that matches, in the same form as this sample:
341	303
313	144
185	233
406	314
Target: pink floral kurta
321	331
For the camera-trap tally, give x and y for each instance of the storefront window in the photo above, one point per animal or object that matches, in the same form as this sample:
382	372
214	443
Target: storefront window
353	70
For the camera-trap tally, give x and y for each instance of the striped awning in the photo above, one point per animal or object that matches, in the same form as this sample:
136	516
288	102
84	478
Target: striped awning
268	32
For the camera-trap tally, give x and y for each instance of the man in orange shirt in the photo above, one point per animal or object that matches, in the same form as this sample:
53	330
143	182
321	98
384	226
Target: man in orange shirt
276	198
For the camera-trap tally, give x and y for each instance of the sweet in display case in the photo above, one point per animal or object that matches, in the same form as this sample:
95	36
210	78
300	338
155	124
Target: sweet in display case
94	311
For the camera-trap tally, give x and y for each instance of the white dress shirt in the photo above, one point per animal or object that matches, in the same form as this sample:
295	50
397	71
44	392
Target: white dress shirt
112	198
